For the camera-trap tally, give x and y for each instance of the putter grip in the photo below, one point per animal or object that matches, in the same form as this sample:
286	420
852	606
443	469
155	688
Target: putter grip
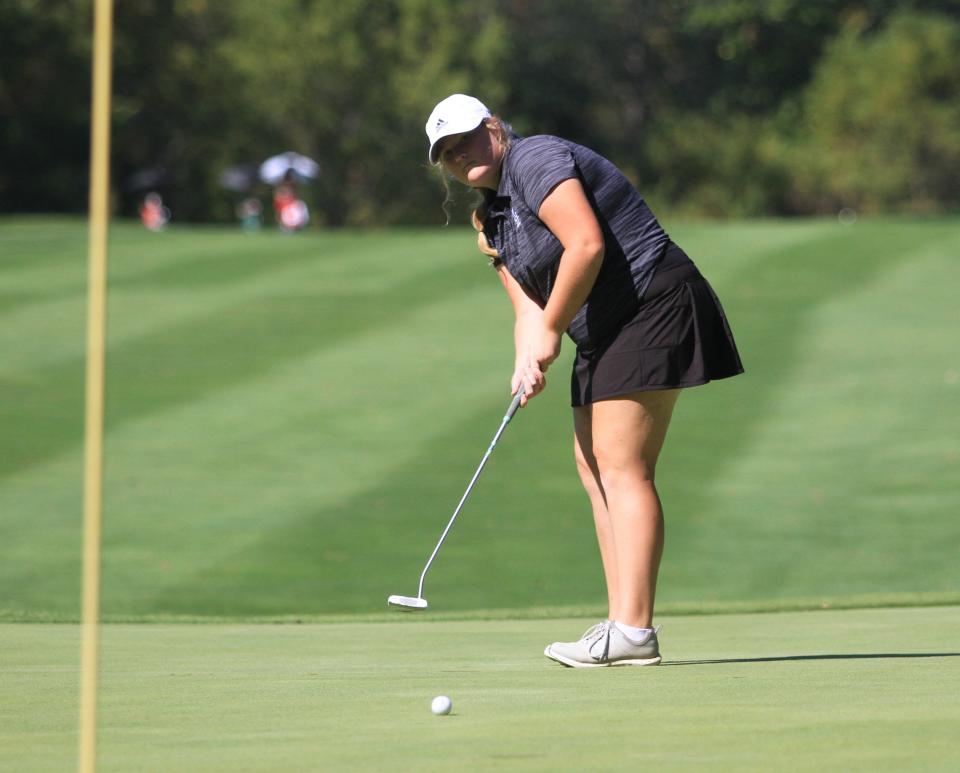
514	404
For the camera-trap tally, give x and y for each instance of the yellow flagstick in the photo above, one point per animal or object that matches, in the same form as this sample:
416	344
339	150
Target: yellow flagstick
96	354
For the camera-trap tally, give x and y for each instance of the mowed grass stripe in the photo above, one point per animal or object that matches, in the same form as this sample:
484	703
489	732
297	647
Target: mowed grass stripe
51	297
861	445
194	356
227	494
348	553
284	449
30	242
207	268
49	260
401	515
191	485
156	286
736	532
529	517
797	691
57	268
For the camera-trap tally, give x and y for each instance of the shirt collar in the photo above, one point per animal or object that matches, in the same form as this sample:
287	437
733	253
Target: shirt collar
504	188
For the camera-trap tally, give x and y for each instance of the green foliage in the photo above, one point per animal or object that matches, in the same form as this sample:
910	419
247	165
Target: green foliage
717	166
350	84
44	105
723	107
173	102
883	119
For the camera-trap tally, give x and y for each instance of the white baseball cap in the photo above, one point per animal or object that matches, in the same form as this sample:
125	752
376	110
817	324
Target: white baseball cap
456	114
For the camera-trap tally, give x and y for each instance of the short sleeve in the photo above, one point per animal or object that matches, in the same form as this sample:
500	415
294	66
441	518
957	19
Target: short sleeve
540	165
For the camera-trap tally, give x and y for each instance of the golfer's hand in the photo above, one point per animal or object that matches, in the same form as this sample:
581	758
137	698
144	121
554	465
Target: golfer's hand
543	346
531	378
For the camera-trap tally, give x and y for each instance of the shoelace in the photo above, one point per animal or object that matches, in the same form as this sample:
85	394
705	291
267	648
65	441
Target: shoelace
599	634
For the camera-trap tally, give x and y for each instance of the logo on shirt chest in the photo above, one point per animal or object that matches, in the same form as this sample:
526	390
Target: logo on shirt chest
516	219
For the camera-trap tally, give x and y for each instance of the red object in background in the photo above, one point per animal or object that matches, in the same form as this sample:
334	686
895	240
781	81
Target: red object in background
153	214
291	211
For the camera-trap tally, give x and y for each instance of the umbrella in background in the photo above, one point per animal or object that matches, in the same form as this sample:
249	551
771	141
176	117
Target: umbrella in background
240	178
276	168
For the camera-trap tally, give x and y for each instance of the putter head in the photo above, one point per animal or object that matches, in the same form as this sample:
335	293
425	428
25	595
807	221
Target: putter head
407	603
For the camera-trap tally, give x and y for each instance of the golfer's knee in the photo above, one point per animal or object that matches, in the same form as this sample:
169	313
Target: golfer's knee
616	471
587	470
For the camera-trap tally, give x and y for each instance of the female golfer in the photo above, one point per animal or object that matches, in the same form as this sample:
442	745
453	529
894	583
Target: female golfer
578	250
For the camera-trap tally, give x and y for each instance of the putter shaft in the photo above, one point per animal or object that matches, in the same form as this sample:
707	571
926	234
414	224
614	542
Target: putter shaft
512	409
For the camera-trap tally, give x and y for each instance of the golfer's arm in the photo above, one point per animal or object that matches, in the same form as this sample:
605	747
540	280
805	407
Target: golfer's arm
525	309
568	214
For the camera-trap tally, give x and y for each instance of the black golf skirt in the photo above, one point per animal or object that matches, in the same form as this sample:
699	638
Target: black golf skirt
678	338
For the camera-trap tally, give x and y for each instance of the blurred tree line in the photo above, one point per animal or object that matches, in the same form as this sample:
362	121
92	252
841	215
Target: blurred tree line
717	107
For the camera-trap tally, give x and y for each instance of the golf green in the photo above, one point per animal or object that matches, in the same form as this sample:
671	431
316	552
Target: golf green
830	690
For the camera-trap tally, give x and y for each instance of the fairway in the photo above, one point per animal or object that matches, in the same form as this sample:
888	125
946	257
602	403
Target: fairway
291	420
841	690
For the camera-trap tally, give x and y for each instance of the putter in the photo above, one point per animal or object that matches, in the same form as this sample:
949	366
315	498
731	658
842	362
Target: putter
411	603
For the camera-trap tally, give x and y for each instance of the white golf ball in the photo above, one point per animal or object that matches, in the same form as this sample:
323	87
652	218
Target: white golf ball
441	705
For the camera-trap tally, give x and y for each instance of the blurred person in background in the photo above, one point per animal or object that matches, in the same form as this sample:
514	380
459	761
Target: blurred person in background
153	214
578	250
291	211
250	213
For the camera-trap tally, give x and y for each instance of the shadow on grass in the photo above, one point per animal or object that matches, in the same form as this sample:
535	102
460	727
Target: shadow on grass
791	658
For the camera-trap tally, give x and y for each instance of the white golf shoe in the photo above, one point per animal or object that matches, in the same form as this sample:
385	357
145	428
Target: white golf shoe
605	645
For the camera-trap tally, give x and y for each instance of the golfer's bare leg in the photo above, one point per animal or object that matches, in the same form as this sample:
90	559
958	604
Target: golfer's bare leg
590	477
627	436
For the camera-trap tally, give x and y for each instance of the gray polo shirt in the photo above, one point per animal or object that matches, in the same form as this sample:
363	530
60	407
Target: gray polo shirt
633	239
